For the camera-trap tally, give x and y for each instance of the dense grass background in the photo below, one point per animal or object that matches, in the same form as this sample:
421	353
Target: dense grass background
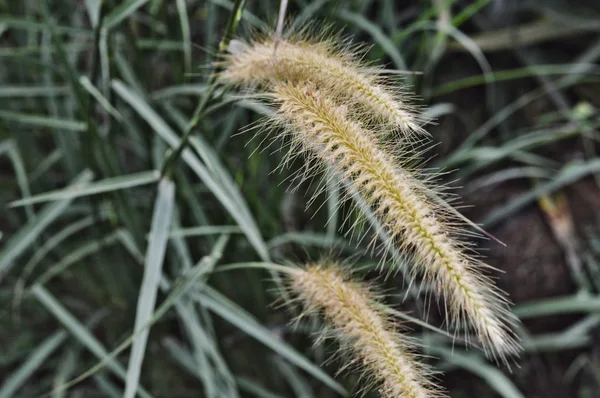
94	94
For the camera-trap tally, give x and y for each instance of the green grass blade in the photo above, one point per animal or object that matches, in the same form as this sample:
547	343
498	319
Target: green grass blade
104	103
569	174
19	166
205	230
7	91
122	12
185	35
558	305
28	234
43	121
155	253
492	375
106	185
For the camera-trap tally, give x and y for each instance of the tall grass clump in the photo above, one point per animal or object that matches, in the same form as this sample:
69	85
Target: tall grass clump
354	314
314	110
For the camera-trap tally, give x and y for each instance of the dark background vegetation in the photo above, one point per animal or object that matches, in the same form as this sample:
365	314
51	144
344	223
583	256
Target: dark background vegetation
95	97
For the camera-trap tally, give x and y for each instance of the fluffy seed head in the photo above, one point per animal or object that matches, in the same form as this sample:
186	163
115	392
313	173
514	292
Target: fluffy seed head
413	220
350	308
336	70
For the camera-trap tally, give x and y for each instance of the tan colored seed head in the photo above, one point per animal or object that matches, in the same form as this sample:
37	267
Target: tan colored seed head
350	308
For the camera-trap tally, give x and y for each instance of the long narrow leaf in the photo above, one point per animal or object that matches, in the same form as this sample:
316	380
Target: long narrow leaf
21	240
107	185
155	254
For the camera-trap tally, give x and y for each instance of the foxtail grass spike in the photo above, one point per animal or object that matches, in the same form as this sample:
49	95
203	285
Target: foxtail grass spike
352	311
336	69
414	222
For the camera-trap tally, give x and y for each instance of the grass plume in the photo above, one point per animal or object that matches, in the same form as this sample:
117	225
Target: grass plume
321	127
352	310
335	68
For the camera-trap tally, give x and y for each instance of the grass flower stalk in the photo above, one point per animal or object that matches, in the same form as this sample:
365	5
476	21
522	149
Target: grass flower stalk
337	70
321	127
351	309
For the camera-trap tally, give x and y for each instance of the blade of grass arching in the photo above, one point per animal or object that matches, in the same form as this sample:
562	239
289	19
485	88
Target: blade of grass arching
99	97
468	12
575	336
35	360
128	73
81	333
29	25
236	208
528	34
493	376
130	245
224	180
46	164
43	121
237	316
311	239
122	12
188	89
507	174
206	230
179	288
220	173
106	185
417	321
155	253
483	156
29	233
17	161
159	45
185	35
517	73
574	304
378	36
569	174
21	91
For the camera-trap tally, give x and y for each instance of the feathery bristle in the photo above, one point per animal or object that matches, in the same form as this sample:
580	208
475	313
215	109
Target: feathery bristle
350	308
333	69
408	214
